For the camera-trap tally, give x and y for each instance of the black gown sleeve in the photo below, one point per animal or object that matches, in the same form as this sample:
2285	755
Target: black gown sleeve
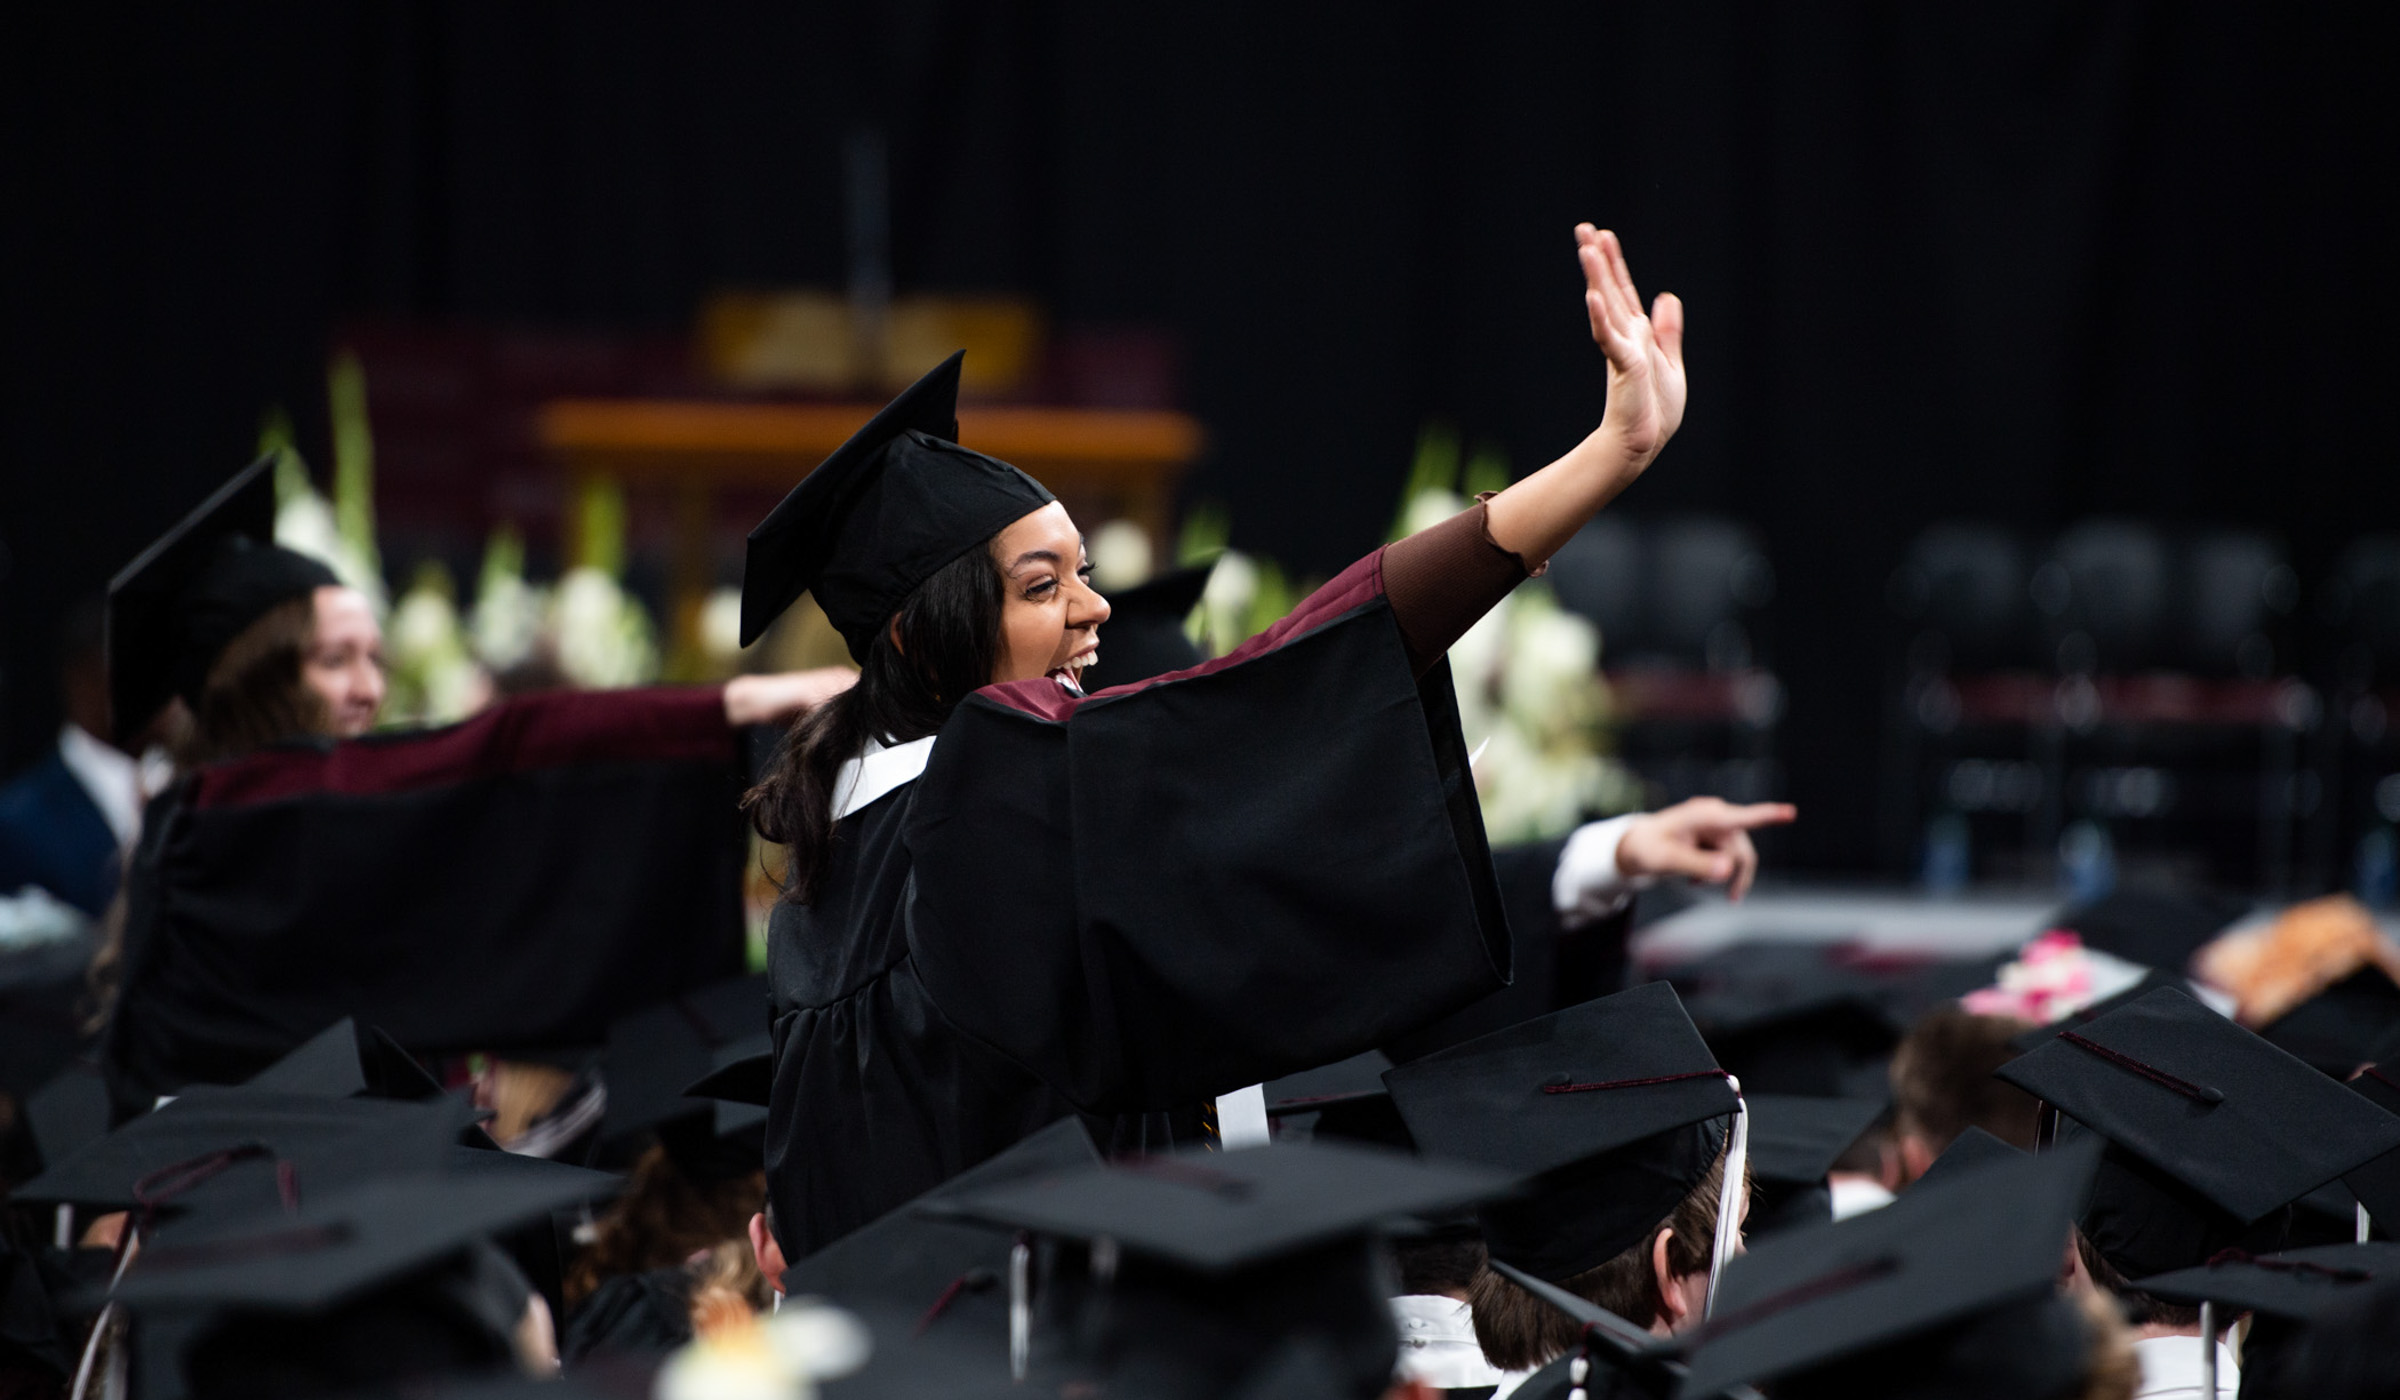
1166	892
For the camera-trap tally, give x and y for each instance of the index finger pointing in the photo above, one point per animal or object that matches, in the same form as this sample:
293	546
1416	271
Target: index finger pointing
1759	814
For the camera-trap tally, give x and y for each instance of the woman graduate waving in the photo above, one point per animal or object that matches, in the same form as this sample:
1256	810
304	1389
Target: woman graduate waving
1008	899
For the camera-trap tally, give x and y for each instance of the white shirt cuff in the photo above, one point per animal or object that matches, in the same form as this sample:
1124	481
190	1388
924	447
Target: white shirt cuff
1588	886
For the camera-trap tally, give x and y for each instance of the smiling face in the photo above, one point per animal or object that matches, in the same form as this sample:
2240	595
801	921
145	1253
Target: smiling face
1049	616
344	661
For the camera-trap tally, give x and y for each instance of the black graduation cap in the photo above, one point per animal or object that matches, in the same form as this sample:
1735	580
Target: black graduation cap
172	611
1972	1148
1950	1290
2296	1283
2376	1185
1794	1141
1635	1363
1205	1272
740	1084
656	1056
2210	1129
346	1059
340	1242
2152	980
884	513
1216	1212
2341	1027
946	1276
1608	1110
1344	1100
2156	928
229	1151
67	1112
1144	634
1785	1018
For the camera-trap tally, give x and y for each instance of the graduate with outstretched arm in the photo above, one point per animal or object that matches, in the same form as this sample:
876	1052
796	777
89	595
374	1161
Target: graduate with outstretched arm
1009	900
515	881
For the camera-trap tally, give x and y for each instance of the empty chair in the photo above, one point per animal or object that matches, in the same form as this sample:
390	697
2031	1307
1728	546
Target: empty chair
1967	582
2106	588
2361	601
1706	575
2237	587
1599	573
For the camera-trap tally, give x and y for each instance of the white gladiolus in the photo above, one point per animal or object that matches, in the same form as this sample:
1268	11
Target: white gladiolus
1121	555
506	622
721	626
604	636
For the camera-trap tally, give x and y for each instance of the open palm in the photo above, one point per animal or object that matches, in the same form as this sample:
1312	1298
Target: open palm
1645	353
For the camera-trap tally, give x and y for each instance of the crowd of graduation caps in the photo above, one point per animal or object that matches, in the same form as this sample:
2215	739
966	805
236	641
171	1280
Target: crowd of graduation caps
1770	1173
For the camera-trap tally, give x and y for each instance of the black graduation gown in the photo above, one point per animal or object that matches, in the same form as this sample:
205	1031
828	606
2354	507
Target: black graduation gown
514	881
1128	903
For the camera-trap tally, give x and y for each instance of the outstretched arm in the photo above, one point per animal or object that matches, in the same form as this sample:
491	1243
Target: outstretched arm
1532	518
1444	577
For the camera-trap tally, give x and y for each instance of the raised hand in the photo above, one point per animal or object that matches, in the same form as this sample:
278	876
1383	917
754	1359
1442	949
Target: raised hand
1645	353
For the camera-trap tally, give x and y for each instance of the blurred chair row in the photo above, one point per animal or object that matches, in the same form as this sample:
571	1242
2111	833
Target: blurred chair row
2118	698
1679	605
2130	695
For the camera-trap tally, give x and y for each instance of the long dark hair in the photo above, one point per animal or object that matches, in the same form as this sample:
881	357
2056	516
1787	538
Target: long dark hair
949	642
256	694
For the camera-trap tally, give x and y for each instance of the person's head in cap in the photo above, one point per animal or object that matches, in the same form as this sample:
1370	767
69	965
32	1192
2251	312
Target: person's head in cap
1942	1085
2304	1306
1210	1274
1949	1292
944	570
259	642
1615	1119
697	1164
2209	1135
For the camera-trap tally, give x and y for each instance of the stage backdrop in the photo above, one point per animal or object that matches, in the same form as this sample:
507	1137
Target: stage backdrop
2027	262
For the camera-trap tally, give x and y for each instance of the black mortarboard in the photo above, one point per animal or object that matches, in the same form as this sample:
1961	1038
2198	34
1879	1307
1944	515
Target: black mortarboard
945	1275
341	1241
1209	1271
1344	1100
2210	1129
2152	980
1794	1141
884	513
1785	1019
1635	1363
656	1055
1972	1148
344	1059
2341	1027
68	1112
2296	1283
2156	928
1607	1109
172	611
739	1086
1217	1212
228	1151
1144	634
2376	1185
1796	1138
1948	1291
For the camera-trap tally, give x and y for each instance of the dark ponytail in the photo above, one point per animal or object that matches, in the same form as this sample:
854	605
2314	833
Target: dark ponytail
949	645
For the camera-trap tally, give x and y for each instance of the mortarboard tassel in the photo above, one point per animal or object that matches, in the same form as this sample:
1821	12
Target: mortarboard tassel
2365	1223
1020	1307
1729	1195
2208	1351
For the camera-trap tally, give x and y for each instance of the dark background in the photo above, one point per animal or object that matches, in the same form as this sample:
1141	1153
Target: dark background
2025	262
